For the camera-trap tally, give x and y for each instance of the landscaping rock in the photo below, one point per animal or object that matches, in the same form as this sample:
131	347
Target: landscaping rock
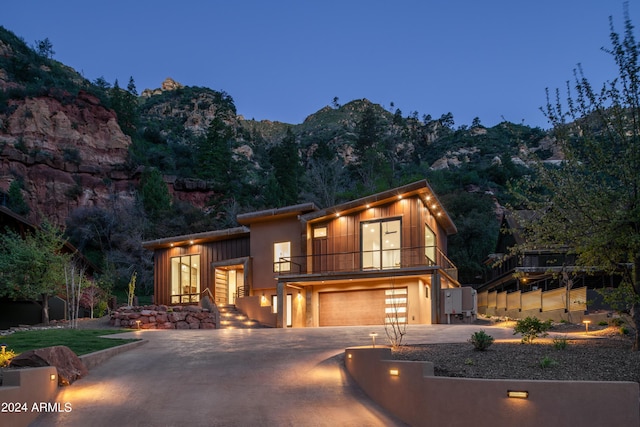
68	364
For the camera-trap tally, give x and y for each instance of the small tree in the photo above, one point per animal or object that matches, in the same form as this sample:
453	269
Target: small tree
32	266
531	328
131	291
91	296
395	322
74	282
591	202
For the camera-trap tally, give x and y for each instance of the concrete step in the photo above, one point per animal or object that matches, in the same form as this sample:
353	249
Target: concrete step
232	318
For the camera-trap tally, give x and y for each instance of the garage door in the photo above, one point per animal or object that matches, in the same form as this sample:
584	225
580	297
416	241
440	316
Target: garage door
352	308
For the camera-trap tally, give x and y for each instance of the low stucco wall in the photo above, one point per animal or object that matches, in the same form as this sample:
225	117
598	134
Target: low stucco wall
25	393
252	308
421	399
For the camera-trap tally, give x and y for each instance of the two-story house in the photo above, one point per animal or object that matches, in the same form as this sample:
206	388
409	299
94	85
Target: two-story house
357	263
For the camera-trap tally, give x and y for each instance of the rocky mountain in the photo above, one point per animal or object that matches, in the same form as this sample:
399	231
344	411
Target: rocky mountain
68	143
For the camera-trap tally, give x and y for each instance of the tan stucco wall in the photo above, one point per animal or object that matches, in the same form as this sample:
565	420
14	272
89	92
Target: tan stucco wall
251	306
263	236
30	386
420	399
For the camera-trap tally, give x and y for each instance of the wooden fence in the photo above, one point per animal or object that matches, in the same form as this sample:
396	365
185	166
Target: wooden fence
561	299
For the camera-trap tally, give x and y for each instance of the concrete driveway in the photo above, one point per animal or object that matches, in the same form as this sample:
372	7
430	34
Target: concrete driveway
236	377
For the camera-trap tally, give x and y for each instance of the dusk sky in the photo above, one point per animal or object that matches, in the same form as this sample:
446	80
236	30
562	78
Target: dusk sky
284	60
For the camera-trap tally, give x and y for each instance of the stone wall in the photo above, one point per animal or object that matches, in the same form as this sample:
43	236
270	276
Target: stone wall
163	317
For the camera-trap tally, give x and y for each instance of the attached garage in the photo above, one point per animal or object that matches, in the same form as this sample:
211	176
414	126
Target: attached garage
361	308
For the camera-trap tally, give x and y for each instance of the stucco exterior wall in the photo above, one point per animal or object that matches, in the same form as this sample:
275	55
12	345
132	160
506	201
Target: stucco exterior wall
420	399
28	386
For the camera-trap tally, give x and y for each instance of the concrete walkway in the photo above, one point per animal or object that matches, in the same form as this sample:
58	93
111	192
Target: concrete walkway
251	377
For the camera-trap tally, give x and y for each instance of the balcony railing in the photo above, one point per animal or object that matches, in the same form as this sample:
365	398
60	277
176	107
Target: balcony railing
377	260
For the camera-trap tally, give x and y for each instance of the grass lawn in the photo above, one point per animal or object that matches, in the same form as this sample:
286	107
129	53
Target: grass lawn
81	341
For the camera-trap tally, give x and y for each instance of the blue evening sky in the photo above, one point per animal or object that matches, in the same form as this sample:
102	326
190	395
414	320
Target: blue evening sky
284	60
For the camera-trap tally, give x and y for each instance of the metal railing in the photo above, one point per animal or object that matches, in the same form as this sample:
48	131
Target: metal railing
377	260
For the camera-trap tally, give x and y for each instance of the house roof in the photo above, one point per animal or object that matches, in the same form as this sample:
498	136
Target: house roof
196	238
277	213
419	188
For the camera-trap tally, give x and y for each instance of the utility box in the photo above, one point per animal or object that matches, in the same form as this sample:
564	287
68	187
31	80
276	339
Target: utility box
459	304
452	301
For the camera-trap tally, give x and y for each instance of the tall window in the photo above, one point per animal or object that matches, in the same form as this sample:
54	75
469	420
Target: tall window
381	244
185	279
429	245
282	256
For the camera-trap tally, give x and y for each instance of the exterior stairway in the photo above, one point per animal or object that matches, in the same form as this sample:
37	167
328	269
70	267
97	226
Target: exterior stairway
232	318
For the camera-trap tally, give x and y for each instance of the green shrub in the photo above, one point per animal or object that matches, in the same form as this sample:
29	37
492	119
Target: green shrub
481	340
624	330
531	328
616	321
560	343
547	362
603	323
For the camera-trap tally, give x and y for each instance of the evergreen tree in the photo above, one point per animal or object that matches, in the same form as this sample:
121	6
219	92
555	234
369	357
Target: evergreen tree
287	170
16	201
214	157
154	193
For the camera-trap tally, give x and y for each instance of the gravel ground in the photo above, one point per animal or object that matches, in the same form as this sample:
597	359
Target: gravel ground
605	356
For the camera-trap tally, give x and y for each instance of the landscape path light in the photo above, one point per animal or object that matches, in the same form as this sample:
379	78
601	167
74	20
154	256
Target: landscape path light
373	336
586	325
3	346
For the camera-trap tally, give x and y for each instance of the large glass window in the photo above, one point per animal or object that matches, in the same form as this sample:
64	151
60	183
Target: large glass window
381	244
282	256
185	279
429	245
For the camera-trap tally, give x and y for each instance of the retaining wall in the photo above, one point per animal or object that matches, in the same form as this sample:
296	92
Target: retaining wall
415	396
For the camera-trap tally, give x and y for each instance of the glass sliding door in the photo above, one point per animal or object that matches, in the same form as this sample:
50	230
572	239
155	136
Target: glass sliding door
380	244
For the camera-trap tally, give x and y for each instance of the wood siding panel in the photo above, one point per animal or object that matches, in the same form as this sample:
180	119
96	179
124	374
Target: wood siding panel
209	253
343	233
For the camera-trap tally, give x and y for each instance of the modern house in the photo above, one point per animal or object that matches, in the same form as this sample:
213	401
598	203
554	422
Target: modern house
362	262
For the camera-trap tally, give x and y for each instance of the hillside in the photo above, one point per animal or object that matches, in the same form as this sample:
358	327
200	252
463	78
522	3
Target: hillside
77	152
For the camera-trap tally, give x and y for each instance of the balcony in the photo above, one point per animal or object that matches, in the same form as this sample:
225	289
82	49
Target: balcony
366	261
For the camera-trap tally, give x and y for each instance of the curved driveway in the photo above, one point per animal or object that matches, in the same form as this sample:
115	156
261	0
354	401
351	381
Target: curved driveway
236	377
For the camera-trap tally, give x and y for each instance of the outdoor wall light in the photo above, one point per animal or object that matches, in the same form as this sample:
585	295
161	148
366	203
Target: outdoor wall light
586	325
349	356
373	336
394	372
514	394
52	377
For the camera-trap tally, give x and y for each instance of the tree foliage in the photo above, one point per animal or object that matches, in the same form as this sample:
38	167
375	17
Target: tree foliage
32	266
591	202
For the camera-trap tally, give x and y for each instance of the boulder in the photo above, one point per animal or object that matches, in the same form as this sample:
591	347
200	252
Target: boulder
68	364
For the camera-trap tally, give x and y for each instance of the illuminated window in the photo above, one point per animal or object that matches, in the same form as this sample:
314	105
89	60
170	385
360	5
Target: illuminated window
429	245
282	256
381	244
319	232
185	279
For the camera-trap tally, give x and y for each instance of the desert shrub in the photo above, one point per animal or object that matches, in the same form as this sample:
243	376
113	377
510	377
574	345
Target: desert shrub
616	321
560	343
531	328
547	362
481	340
